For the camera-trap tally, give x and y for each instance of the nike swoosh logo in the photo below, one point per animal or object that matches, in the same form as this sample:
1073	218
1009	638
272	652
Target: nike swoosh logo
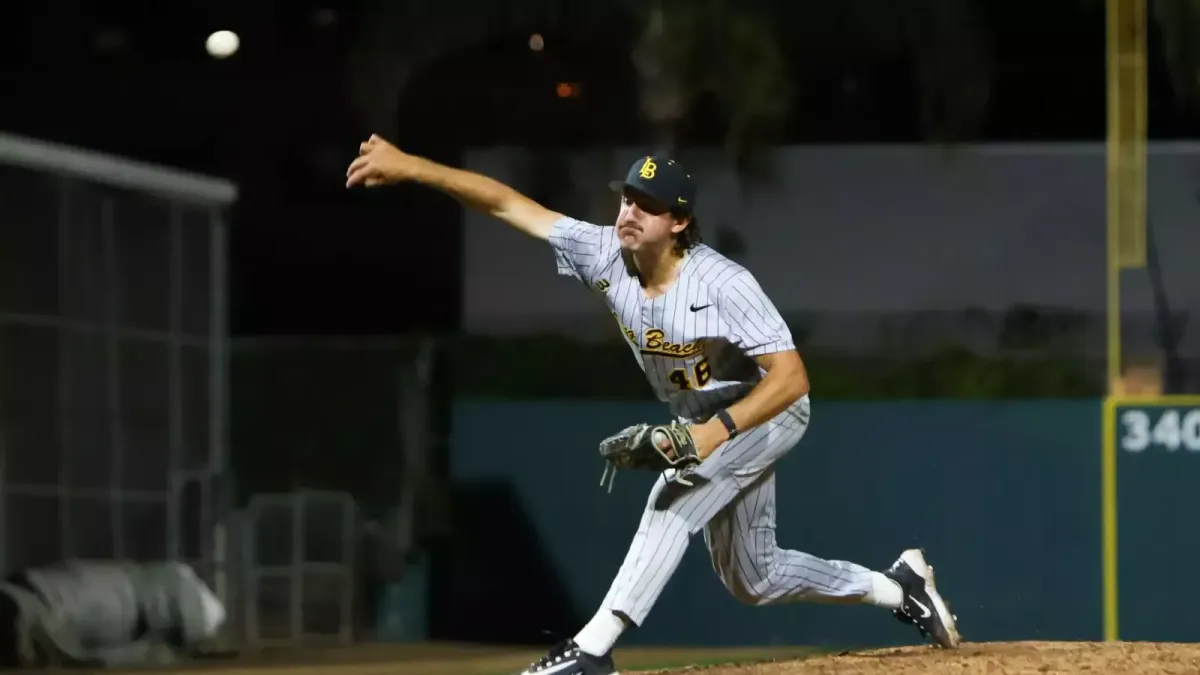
923	608
697	309
571	666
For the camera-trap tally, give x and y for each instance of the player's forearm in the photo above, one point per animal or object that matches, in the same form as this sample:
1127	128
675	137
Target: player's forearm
782	386
475	190
489	196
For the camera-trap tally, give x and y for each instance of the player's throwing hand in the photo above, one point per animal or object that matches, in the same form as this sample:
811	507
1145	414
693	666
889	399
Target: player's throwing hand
380	163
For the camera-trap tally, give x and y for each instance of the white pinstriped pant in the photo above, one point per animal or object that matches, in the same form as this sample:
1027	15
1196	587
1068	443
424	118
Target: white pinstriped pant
733	500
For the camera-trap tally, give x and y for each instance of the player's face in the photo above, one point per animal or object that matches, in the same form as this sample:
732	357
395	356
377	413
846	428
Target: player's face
643	222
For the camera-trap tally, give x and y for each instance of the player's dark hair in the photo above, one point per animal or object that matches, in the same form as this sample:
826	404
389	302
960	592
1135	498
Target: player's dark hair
689	237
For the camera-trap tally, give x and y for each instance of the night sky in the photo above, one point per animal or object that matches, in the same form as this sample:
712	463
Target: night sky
279	119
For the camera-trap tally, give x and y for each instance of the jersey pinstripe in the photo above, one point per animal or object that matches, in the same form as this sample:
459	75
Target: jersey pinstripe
693	342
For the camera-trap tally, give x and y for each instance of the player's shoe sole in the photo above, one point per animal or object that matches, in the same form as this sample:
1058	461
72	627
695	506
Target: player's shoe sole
923	605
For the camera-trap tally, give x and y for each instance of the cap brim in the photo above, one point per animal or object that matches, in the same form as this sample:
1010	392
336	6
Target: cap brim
620	186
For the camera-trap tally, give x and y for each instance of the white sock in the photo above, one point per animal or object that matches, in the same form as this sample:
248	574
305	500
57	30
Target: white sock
884	592
600	634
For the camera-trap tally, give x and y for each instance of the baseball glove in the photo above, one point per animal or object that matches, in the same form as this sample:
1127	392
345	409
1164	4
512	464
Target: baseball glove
649	447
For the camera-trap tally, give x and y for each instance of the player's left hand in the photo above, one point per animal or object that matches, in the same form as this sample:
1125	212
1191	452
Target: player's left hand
708	436
653	447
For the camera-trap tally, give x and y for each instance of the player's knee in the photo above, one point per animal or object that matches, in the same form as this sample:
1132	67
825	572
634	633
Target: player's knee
750	595
753	588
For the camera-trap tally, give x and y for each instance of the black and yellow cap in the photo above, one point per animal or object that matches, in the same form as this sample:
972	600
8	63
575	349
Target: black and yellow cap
663	180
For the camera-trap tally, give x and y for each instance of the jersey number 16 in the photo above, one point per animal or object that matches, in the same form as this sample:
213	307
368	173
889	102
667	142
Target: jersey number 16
699	377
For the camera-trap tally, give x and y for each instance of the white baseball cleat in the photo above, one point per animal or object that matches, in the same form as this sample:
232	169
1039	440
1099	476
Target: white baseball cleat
923	606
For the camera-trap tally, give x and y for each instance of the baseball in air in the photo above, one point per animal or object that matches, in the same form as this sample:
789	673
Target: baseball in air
222	44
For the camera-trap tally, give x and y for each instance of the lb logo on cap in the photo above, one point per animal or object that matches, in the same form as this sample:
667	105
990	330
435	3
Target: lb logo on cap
649	168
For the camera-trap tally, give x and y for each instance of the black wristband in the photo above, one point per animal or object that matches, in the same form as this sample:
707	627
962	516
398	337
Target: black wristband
723	415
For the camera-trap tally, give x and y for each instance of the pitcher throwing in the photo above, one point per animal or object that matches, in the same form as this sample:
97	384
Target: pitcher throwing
716	350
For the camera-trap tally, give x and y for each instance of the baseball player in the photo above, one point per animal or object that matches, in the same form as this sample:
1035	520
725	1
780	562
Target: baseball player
716	350
100	613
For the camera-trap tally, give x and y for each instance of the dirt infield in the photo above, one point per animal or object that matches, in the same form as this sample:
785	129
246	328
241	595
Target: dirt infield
1015	658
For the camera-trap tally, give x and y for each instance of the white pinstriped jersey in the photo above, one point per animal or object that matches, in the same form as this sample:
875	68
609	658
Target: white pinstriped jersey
674	336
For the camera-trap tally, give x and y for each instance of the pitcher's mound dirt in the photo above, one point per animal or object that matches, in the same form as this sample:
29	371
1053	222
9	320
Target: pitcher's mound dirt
993	658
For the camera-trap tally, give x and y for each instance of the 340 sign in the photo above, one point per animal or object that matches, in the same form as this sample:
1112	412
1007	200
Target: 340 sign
1155	428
